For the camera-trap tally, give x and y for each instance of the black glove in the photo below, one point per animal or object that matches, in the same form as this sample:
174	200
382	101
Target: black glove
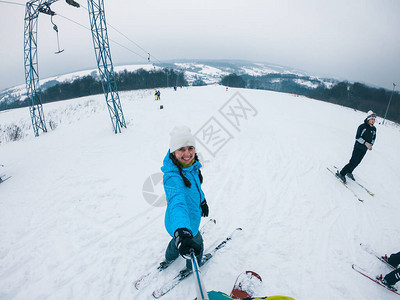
184	242
204	208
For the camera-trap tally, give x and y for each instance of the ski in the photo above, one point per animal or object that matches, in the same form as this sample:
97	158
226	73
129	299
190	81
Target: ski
383	259
4	179
139	283
359	184
186	272
367	190
354	193
373	278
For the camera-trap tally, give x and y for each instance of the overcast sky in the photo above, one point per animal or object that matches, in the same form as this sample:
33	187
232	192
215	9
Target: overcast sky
351	40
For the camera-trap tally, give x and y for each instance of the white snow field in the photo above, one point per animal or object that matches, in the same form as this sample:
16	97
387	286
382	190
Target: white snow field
74	223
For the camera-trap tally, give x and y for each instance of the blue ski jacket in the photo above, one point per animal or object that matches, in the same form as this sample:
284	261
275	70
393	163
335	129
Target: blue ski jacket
183	203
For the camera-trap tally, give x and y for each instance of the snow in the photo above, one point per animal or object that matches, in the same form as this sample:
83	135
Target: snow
208	74
258	71
307	83
74	223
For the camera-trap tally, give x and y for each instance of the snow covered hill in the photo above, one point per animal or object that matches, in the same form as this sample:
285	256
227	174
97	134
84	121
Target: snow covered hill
210	72
75	224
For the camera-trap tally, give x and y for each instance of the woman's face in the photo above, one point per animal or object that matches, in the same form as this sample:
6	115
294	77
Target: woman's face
185	154
371	121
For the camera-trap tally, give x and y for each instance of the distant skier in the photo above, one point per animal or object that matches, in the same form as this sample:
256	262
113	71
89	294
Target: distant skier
365	139
186	203
391	278
155	95
158	95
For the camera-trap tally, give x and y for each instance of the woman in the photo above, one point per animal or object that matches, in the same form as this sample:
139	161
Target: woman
186	203
365	139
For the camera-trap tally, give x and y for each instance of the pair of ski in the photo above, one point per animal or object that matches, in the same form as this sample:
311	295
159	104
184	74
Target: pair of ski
372	277
335	170
162	266
183	274
186	272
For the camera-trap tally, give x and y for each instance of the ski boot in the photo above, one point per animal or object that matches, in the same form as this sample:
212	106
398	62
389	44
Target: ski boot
341	177
383	281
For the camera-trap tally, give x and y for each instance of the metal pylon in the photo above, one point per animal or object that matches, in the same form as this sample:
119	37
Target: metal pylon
104	63
32	10
103	57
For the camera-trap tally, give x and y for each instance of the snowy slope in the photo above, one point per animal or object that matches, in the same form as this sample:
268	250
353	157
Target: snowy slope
74	223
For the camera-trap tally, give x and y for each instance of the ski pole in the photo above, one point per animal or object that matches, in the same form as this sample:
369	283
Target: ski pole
200	288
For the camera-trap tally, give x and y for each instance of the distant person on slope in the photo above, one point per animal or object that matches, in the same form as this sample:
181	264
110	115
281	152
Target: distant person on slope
391	278
186	203
365	139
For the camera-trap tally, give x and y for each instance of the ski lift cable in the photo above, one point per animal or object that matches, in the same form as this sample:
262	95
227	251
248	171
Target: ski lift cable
136	44
9	2
74	21
128	49
109	39
87	28
149	55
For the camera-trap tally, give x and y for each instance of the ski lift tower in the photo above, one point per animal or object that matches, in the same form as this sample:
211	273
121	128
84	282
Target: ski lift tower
104	63
31	62
103	58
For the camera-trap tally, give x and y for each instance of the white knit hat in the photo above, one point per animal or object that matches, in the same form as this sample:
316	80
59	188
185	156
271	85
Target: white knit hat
370	115
181	137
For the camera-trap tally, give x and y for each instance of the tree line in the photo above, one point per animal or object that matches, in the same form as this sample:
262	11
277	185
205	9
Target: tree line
354	95
91	85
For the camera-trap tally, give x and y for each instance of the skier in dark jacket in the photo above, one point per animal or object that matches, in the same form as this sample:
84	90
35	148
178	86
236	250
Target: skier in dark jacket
365	139
391	278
